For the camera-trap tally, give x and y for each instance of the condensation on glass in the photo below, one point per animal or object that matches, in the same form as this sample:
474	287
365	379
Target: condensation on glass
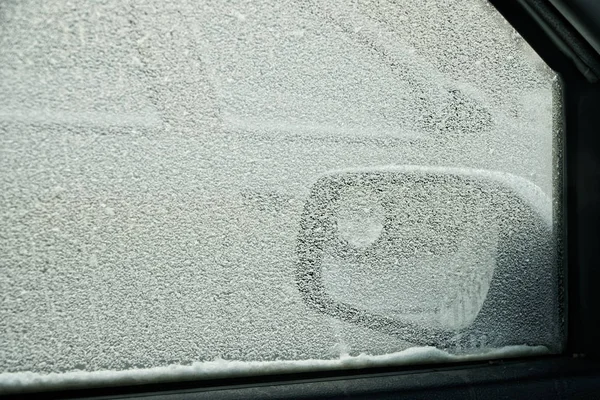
157	159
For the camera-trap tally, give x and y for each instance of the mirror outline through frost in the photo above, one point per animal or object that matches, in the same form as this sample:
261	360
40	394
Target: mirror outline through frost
511	302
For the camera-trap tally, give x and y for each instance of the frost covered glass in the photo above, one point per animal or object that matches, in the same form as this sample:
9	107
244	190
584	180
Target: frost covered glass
166	170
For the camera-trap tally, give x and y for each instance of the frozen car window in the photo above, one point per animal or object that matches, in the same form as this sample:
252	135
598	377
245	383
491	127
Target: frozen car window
166	170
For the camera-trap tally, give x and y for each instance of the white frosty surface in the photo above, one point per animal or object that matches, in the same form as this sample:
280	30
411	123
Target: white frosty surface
219	368
528	191
156	156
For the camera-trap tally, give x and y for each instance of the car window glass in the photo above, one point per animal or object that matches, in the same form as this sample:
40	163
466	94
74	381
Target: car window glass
166	170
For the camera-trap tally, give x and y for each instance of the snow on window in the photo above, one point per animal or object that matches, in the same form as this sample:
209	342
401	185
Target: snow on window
156	159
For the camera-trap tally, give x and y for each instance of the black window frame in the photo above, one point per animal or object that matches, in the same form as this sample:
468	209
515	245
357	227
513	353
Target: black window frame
576	372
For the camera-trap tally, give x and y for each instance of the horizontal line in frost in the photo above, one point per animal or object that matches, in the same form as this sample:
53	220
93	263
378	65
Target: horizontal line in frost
20	382
88	118
314	128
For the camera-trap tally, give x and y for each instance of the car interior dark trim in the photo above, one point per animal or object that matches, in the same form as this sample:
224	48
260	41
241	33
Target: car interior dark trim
565	36
546	377
548	380
583	15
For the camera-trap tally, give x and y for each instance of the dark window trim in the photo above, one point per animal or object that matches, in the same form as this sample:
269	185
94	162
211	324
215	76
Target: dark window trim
566	37
582	14
576	371
548	377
